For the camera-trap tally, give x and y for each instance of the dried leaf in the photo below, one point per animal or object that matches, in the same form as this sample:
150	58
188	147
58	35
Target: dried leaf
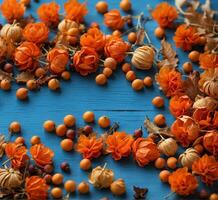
45	79
140	193
5	75
212	44
198	141
194	4
23	77
140	37
2	141
207	9
205	102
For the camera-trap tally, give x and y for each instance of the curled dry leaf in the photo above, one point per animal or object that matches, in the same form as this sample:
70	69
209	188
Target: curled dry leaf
199	140
23	77
212	45
5	75
2	141
43	80
140	193
205	102
206	7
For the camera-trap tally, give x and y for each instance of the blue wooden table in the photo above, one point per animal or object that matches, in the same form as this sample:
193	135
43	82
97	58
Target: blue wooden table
117	100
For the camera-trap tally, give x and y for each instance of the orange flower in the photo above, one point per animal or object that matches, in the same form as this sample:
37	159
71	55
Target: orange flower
208	60
185	130
210	142
164	14
182	182
41	154
144	151
58	59
114	20
12	10
17	154
94	38
207	168
75	11
119	145
180	105
116	48
86	61
26	56
89	147
36	188
48	13
36	32
185	37
169	80
206	119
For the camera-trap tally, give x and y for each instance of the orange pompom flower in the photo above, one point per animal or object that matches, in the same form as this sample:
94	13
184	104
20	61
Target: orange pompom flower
119	145
208	60
186	37
75	11
144	151
185	130
170	80
210	142
180	105
164	14
114	20
17	154
182	182
36	32
90	147
116	48
94	38
41	154
36	188
26	56
86	61
207	168
12	10
48	13
58	59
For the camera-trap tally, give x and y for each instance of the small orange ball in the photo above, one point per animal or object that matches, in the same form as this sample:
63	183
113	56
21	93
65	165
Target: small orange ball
110	63
148	82
101	7
19	140
104	122
66	75
101	79
202	40
107	72
158	101
160	163
125	5
187	67
67	144
132	37
5	84
15	127
56	192
54	84
61	130
130	75
31	84
83	188
49	126
164	175
85	164
70	186
199	148
69	120
160	120
137	84
194	56
40	72
35	140
57	179
126	67
88	116
117	33
213	196
171	162
22	94
159	32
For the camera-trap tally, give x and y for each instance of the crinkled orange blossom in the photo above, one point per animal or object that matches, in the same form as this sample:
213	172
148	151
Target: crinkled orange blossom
210	142
208	60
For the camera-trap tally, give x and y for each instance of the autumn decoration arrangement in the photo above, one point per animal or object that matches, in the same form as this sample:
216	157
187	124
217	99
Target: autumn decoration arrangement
184	151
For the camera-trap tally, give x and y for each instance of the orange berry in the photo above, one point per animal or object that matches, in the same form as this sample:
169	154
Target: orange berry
22	94
66	75
54	84
171	162
15	127
164	175
194	56
70	186
137	84
202	40
101	7
148	82
19	140
31	84
213	196
94	25
117	33
69	120
110	63
199	148
85	164
57	179
107	71
126	67
35	140
61	130
49	126
101	79
5	84
67	144
88	116
130	75
132	37
40	72
158	101
160	163
56	192
159	32
187	67
125	5
83	188
104	122
160	120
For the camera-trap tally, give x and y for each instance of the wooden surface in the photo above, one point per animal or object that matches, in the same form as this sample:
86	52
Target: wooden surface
117	100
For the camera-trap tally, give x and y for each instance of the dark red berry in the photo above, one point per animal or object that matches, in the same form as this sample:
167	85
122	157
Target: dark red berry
138	133
32	169
65	166
47	178
48	169
203	194
71	134
8	67
87	129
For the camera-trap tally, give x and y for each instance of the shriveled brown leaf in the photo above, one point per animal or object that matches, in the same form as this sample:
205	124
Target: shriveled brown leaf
206	7
199	140
23	77
45	79
26	20
5	75
205	102
140	193
2	141
194	4
212	44
140	37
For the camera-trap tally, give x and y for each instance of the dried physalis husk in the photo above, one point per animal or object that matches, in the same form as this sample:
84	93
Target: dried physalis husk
2	142
10	178
188	157
11	32
143	57
3	48
168	147
101	177
118	187
206	102
66	25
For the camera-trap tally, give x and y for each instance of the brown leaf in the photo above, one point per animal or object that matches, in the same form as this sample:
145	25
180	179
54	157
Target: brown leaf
194	4
2	141
45	79
199	140
206	7
212	44
23	77
140	193
5	75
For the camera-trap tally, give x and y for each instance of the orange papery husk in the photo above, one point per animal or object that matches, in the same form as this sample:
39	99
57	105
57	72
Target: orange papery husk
208	60
210	142
114	20
207	168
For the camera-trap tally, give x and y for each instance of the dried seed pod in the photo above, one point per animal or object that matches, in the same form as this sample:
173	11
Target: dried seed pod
206	102
67	24
10	178
168	147
210	87
188	157
11	32
118	187
143	57
101	177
